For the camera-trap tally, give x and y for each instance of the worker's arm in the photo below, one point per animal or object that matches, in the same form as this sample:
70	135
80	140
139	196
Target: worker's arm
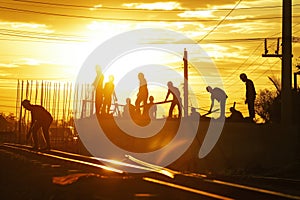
167	95
115	96
211	105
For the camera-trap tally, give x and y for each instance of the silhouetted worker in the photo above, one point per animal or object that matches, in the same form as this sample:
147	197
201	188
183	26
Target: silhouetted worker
219	95
153	108
40	118
194	113
150	109
108	93
176	99
236	116
250	95
98	85
142	95
129	109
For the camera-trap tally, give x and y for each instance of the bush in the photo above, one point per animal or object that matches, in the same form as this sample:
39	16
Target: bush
266	105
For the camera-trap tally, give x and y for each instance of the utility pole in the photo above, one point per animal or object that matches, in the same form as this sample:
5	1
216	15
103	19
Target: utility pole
286	72
295	77
185	83
286	64
295	80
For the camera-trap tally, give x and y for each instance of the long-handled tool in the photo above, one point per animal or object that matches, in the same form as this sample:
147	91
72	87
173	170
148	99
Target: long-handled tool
210	112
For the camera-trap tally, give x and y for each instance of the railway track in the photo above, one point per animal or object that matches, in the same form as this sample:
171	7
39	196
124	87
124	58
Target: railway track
155	183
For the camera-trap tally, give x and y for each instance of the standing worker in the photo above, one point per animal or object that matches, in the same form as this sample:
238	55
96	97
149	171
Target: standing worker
98	85
108	94
40	118
150	109
142	95
129	110
250	95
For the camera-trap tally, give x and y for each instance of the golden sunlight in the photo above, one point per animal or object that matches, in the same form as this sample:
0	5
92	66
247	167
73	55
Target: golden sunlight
153	6
197	14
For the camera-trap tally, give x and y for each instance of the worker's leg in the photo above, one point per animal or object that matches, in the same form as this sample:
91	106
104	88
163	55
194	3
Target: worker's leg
35	129
222	105
171	108
45	128
179	109
251	109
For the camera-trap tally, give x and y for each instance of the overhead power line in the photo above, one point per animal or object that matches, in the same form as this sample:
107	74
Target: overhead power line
144	9
294	39
17	31
238	40
132	19
41	35
74	38
220	22
32	40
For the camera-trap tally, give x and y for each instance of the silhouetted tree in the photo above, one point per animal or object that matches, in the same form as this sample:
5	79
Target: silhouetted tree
264	102
7	122
268	102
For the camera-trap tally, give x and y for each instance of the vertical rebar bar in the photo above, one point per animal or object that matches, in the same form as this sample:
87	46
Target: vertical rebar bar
20	117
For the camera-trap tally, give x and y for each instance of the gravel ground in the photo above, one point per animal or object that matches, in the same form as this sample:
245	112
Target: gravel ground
27	176
30	177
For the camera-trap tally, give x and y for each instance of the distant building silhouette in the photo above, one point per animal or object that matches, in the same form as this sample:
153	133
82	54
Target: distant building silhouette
98	85
40	118
219	95
176	99
142	95
250	95
108	94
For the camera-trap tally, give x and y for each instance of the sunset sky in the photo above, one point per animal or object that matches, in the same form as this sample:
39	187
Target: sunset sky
50	40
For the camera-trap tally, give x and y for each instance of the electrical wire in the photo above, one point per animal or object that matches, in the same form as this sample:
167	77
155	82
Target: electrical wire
148	10
135	20
220	22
